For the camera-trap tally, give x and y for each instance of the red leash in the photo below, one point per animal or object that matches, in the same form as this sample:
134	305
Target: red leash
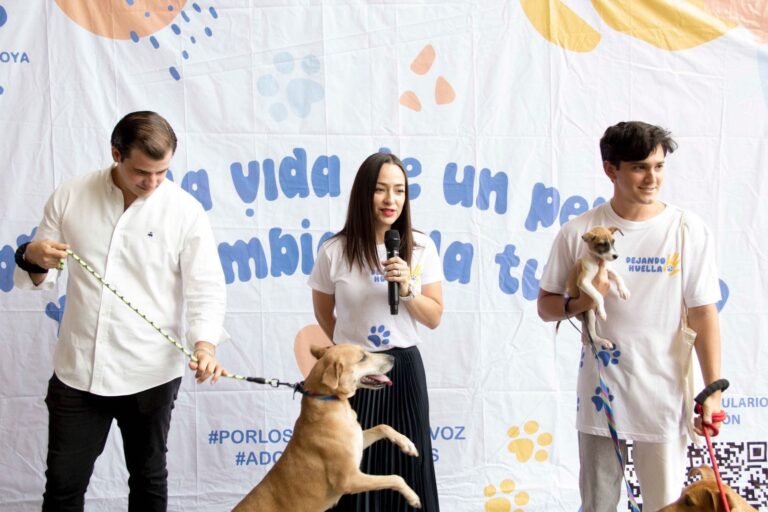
706	427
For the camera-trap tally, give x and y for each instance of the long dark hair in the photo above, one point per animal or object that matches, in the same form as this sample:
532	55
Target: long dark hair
359	232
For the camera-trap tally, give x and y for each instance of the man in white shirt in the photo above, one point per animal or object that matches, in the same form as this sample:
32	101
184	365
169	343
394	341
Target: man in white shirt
152	241
666	258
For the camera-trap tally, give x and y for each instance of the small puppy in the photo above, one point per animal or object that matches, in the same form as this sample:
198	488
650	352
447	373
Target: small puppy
322	460
704	496
600	243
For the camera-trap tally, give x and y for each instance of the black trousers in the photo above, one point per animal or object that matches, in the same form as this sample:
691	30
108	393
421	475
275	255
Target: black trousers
405	407
78	425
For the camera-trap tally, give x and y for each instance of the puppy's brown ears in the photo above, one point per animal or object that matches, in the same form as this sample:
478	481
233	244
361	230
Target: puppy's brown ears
614	229
588	237
317	351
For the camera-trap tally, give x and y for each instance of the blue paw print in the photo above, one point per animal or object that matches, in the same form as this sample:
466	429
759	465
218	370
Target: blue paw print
300	93
379	335
55	312
609	357
598	400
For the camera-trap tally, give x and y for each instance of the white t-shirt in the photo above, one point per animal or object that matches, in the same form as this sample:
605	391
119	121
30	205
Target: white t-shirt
362	305
644	372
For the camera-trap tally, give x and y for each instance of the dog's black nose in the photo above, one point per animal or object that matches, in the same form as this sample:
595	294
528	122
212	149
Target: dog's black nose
615	256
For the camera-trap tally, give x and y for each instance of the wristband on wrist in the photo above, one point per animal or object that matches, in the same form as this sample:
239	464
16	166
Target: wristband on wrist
718	385
24	264
207	351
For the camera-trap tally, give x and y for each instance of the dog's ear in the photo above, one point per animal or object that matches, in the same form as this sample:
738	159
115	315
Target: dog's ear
332	374
317	351
704	471
588	237
614	229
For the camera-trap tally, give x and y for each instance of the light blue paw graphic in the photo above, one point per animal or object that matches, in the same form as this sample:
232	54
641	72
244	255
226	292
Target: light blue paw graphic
55	312
300	92
379	335
609	356
598	400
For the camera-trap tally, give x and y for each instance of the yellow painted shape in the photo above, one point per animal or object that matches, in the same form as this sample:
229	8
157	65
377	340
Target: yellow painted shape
559	25
507	486
116	19
531	427
498	505
545	439
666	24
522	448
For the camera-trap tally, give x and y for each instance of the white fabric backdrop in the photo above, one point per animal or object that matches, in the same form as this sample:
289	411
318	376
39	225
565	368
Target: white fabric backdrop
497	114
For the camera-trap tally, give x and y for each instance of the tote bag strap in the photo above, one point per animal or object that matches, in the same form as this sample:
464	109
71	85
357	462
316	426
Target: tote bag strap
687	338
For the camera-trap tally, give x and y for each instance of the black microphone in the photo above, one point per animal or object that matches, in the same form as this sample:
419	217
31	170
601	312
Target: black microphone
392	243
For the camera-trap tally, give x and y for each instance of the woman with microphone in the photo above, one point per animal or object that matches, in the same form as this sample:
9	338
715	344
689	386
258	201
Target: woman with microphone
350	283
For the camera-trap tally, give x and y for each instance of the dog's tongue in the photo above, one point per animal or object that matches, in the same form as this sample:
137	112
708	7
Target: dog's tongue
381	378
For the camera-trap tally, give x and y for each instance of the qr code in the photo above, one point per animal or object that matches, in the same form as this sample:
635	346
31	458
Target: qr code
743	466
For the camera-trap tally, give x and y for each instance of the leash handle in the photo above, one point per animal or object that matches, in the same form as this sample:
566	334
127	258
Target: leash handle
717	417
707	427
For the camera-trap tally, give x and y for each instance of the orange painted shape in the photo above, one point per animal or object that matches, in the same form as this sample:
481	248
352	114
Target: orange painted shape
409	100
424	60
116	19
751	15
444	93
309	336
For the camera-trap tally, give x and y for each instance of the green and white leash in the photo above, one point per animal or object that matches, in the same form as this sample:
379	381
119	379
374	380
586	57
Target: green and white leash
259	380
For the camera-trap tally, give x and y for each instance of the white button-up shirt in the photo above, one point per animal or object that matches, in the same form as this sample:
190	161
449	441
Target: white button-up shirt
160	254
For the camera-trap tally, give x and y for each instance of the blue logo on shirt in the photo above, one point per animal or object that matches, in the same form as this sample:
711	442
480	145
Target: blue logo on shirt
379	335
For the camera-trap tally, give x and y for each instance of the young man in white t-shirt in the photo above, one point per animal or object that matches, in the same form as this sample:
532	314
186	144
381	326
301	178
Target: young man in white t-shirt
666	258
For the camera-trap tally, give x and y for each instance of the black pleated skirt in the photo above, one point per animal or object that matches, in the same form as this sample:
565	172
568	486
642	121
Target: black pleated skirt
403	406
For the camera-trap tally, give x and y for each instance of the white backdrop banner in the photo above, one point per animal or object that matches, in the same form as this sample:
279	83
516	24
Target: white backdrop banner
496	108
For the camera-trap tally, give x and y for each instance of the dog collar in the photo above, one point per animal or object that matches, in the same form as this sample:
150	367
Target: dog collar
318	396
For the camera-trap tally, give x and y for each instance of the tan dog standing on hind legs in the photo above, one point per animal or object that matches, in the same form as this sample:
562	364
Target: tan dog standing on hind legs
322	460
600	243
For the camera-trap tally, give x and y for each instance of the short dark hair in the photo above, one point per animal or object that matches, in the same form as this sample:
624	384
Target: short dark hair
358	231
632	141
146	131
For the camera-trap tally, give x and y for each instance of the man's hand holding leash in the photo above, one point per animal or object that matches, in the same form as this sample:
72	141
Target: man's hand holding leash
206	364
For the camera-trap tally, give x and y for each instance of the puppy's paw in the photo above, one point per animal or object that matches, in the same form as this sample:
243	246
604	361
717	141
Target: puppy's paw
601	313
606	344
624	293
